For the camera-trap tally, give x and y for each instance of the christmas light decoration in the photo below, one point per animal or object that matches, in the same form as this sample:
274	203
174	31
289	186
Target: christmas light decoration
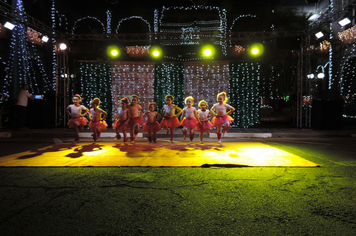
348	35
236	19
24	62
245	93
133	17
331	78
204	80
95	79
239	49
86	18
34	36
324	46
190	31
108	21
132	78
137	51
169	79
347	81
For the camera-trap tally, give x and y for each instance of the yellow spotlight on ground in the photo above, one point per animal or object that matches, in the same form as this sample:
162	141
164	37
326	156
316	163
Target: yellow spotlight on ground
256	50
113	51
156	52
208	51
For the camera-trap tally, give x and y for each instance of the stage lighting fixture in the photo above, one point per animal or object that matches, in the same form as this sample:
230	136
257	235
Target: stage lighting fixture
156	52
62	46
9	25
208	51
344	22
319	35
113	51
256	50
320	75
310	76
44	38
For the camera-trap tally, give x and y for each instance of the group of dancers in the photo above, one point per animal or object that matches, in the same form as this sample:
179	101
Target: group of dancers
130	116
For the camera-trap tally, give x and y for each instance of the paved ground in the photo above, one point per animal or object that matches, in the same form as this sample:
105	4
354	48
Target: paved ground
185	201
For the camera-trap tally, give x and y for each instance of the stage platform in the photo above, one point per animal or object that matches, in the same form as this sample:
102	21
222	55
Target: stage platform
161	154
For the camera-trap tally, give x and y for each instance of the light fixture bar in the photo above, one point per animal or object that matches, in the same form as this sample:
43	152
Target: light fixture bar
344	22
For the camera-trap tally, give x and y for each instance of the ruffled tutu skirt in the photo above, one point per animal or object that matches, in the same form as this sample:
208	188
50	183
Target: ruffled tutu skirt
189	122
151	127
204	126
120	125
82	121
101	124
221	120
136	120
170	122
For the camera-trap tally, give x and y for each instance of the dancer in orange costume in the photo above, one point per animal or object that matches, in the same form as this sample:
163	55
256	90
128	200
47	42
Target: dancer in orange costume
77	118
170	120
190	118
121	118
96	123
152	126
205	125
221	117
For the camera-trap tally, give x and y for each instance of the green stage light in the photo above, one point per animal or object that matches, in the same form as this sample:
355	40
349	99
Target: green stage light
156	52
113	51
256	50
208	51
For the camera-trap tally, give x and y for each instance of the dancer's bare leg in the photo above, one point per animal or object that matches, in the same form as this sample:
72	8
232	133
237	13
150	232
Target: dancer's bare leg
154	138
172	134
125	136
76	133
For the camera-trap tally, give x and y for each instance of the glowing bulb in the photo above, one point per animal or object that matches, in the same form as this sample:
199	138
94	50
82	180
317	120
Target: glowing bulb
207	52
114	52
254	51
63	46
156	53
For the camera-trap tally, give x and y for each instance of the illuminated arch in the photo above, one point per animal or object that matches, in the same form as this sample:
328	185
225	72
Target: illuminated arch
85	18
132	17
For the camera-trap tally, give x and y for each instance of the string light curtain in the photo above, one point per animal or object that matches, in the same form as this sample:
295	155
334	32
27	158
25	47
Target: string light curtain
130	78
245	93
204	80
24	65
169	79
95	78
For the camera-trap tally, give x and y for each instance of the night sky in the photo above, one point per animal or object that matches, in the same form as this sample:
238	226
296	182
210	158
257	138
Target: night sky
75	9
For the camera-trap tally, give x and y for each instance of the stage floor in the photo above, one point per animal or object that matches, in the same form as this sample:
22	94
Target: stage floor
156	155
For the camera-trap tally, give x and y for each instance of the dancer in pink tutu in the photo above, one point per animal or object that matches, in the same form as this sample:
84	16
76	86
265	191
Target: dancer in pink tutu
135	119
222	118
152	126
190	118
170	120
205	125
96	123
77	118
121	118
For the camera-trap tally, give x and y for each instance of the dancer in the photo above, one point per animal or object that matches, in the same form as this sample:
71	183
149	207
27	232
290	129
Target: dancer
77	118
121	118
96	123
152	126
170	120
135	119
205	125
221	117
190	118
